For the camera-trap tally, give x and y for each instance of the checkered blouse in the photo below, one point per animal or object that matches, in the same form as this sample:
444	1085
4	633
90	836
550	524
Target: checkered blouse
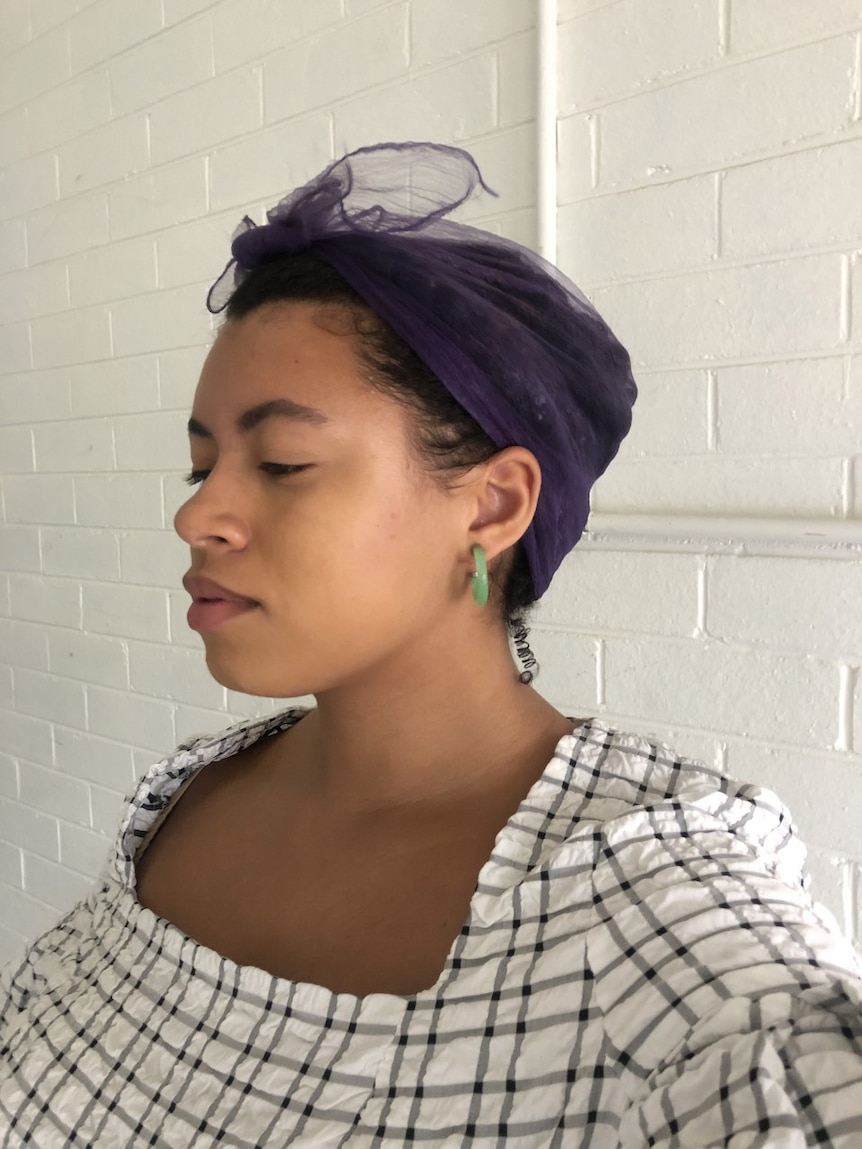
640	966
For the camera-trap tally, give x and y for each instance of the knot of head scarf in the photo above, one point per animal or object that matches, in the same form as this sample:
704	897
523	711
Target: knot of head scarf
513	340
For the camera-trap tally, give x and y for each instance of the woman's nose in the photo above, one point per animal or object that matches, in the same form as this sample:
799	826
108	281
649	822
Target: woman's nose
212	517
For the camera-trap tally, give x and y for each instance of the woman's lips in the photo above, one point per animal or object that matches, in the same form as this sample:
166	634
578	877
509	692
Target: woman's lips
213	603
207	614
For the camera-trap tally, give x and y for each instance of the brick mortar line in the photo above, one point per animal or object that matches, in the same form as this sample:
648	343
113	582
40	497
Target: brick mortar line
690	641
648	541
702	622
601	692
18	889
724	45
852	901
741	263
846	690
843	353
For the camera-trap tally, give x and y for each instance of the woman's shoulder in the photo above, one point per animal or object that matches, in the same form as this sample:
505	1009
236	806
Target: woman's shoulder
637	785
639	771
156	788
56	949
640	767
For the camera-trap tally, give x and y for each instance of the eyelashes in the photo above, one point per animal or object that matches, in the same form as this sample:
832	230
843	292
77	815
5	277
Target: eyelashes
276	469
195	477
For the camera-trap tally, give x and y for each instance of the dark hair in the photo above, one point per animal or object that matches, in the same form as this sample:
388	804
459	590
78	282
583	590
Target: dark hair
445	437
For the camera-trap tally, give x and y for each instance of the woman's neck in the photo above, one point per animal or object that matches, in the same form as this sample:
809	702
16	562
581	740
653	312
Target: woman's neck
463	734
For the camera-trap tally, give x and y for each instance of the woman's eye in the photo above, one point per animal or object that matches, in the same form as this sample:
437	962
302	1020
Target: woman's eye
270	468
284	468
195	476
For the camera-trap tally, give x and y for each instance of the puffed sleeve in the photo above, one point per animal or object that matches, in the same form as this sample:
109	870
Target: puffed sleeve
732	1005
23	979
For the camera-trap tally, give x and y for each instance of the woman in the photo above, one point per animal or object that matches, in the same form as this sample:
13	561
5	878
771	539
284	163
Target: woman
431	908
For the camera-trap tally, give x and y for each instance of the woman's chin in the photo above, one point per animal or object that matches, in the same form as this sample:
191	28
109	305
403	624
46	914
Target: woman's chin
229	672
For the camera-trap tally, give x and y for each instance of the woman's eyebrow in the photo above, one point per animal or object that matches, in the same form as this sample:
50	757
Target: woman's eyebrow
273	408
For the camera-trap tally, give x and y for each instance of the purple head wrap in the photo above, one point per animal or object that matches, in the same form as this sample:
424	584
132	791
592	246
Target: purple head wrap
509	336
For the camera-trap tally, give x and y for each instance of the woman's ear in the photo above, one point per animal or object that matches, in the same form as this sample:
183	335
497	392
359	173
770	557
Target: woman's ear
504	495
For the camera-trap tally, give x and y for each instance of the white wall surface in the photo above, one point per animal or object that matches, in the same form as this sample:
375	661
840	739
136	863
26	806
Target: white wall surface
710	160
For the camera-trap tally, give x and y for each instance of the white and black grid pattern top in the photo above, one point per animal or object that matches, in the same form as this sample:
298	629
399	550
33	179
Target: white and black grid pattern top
640	966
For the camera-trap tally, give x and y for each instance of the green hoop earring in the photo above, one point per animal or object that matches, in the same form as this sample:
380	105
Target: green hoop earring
480	577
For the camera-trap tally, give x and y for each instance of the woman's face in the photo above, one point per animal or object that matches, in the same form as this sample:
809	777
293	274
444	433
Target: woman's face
351	559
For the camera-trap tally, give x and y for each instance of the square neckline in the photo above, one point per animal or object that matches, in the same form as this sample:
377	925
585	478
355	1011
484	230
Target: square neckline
304	995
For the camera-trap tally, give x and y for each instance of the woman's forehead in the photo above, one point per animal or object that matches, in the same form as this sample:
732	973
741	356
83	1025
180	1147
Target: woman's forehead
289	352
303	374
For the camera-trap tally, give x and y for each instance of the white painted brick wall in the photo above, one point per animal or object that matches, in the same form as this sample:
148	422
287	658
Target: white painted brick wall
657	130
650	41
245	31
112	271
260	166
369	51
787	306
710	156
67	226
710	163
167	195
